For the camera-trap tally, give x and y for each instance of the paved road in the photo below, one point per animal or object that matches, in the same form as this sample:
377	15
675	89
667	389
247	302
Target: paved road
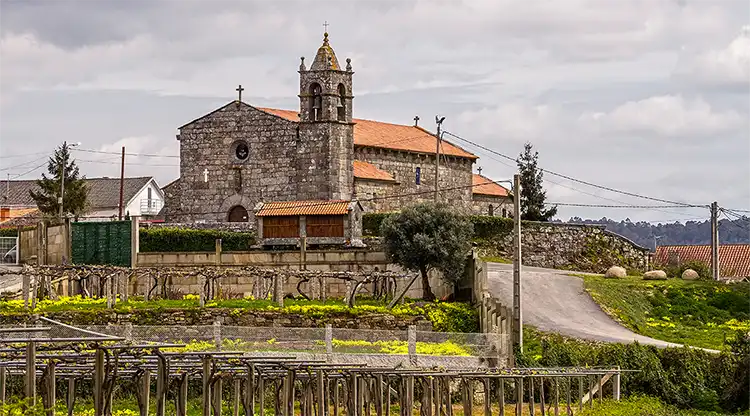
555	302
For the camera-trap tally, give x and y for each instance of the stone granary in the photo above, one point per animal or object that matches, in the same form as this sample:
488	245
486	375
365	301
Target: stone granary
239	155
328	222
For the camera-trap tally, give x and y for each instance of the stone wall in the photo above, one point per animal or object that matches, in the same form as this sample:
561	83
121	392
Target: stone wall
338	267
501	206
54	242
268	173
455	179
570	246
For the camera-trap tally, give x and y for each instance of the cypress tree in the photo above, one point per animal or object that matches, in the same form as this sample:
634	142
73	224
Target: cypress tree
74	198
533	194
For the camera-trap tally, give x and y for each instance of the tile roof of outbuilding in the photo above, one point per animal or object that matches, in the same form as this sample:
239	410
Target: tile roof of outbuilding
486	186
366	170
379	134
734	259
294	208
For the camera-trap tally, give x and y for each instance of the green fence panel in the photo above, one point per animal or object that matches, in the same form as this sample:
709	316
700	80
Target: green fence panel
104	243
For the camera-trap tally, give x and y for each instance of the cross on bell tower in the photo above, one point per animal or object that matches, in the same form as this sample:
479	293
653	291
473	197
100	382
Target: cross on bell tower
239	91
325	26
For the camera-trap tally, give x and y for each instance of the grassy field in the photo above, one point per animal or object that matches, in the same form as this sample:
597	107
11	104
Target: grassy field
696	313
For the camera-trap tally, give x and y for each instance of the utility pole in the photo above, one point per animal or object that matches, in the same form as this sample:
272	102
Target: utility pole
517	310
439	121
122	182
715	240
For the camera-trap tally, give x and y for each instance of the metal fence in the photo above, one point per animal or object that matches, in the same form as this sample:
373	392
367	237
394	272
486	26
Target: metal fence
314	340
9	250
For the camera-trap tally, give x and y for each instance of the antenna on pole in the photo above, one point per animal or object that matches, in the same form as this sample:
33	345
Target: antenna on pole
439	121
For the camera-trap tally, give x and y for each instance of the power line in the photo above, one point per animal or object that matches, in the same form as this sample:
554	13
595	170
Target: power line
24	163
126	154
571	204
25	155
30	170
731	220
606	188
129	164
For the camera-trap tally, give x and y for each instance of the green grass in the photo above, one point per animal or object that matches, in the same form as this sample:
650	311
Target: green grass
495	259
643	406
696	313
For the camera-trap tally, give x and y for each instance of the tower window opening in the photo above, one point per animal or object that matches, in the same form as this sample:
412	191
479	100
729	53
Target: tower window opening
341	105
316	102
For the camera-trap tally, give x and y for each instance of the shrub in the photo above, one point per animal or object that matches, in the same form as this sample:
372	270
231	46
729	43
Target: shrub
371	223
683	377
8	232
703	270
178	239
491	227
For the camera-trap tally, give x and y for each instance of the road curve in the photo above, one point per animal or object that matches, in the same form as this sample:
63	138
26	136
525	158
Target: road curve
556	302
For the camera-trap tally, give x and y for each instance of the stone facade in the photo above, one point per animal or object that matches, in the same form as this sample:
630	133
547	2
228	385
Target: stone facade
493	206
588	248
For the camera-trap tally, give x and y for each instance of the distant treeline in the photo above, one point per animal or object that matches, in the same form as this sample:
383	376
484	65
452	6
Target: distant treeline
690	232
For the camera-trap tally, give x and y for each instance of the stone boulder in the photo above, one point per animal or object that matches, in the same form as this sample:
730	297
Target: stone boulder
615	272
690	274
655	275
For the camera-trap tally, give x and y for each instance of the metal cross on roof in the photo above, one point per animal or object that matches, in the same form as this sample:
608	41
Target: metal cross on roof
325	26
239	90
480	170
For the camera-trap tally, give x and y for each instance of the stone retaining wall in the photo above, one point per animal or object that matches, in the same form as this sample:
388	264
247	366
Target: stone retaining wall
570	246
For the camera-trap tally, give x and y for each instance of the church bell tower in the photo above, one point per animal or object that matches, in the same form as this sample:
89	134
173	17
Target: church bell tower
325	149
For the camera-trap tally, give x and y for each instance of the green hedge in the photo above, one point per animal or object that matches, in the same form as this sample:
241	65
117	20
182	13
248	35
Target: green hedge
179	239
484	227
684	377
8	232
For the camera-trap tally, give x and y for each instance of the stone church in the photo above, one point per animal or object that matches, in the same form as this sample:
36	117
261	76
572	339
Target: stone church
239	155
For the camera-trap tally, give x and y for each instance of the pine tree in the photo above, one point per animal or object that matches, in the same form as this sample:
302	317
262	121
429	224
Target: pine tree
74	198
532	191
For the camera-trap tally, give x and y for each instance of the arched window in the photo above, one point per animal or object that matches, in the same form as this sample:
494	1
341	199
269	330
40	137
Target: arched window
491	210
316	102
238	213
341	105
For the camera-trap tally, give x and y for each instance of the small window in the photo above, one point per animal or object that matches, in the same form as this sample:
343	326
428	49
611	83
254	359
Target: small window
418	177
316	102
240	151
491	210
341	105
505	213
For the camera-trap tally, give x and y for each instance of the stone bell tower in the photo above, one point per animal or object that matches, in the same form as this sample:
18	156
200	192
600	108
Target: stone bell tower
325	148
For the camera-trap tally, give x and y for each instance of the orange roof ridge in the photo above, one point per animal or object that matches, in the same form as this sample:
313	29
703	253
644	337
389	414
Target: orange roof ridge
366	170
483	185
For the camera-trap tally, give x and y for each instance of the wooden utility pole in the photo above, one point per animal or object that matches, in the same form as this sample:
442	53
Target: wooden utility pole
122	182
517	310
715	240
439	122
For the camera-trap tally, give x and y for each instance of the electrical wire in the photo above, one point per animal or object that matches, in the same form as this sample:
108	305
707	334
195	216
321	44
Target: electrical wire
606	188
120	153
572	204
24	163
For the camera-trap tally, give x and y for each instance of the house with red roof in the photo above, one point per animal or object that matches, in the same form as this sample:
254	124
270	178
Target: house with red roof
734	259
240	155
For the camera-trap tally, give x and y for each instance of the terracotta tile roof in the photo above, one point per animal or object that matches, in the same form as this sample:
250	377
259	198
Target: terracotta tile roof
486	186
389	136
734	259
16	214
294	208
365	170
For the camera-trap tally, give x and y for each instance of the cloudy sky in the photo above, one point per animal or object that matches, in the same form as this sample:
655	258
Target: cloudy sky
651	96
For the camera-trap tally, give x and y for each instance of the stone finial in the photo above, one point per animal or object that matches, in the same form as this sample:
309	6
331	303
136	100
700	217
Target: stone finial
349	64
302	63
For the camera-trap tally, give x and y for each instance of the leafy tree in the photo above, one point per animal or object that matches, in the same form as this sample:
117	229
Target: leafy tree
532	192
428	236
74	198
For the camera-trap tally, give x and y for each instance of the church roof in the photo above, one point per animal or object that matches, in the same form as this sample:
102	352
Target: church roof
486	186
365	170
325	58
372	133
294	208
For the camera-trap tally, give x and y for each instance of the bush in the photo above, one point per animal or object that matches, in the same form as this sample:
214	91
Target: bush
683	377
177	239
490	227
704	271
8	232
371	223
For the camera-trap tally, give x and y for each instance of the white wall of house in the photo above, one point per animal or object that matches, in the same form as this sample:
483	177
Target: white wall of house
148	201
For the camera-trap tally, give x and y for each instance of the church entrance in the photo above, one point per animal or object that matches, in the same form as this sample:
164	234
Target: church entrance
238	214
